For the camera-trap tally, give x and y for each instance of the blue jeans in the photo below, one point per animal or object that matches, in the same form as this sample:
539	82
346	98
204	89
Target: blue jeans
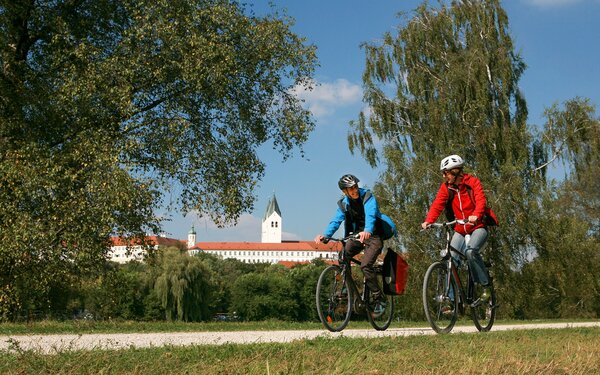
478	239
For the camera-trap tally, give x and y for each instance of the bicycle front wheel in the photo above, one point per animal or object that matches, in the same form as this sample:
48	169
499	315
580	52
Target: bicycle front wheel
439	302
484	313
333	299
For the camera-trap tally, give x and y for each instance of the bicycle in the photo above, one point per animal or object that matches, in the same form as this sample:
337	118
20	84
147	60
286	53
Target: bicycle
444	296
338	294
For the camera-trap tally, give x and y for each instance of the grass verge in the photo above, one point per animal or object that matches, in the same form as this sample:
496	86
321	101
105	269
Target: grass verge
548	351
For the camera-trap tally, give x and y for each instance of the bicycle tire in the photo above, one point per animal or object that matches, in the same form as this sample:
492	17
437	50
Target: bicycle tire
435	302
381	322
484	314
333	298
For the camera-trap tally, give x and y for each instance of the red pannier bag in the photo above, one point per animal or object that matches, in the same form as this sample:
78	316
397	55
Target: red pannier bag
395	273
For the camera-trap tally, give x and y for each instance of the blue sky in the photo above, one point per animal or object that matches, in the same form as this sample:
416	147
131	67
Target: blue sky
558	40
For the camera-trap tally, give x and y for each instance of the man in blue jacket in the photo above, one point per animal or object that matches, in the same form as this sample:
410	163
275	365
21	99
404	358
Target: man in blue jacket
360	213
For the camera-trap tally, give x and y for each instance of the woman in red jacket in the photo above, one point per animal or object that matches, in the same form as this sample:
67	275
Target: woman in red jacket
468	204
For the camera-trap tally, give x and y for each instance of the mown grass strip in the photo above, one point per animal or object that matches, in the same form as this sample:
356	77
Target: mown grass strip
552	351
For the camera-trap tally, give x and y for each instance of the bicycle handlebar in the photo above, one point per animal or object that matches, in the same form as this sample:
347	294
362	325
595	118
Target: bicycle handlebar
350	237
448	224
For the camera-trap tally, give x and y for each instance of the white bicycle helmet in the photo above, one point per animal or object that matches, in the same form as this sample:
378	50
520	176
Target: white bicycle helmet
451	162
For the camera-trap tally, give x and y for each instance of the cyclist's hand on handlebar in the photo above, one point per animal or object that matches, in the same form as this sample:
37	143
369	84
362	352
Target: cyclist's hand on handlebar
319	238
472	219
425	225
363	236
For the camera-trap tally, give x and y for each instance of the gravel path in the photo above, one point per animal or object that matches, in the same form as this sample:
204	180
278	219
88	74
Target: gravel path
50	344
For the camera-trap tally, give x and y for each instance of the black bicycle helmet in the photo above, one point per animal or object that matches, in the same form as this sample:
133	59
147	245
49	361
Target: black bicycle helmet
347	181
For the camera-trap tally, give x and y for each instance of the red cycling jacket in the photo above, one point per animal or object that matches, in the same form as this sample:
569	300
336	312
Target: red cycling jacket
462	205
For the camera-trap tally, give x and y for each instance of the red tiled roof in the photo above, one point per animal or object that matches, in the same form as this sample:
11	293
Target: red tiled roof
151	240
286	246
290	264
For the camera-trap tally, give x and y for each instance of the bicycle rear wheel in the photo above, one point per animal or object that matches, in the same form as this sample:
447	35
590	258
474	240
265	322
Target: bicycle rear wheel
381	321
441	308
333	299
483	313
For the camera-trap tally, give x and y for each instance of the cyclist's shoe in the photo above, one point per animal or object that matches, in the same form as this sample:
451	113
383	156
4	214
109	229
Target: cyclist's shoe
378	307
485	295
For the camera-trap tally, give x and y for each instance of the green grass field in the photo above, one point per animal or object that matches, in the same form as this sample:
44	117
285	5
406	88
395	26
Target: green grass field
547	351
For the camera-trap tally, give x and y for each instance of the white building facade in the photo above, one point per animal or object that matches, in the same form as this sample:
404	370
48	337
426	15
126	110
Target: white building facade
271	249
124	251
285	252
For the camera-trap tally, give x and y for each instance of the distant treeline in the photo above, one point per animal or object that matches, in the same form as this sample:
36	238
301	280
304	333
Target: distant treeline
175	286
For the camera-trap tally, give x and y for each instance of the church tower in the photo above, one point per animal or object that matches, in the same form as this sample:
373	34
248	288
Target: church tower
271	224
191	238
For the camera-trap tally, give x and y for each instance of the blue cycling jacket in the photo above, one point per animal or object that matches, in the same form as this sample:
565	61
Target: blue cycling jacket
372	213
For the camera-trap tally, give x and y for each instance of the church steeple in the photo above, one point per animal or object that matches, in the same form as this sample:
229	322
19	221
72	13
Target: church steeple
191	237
271	225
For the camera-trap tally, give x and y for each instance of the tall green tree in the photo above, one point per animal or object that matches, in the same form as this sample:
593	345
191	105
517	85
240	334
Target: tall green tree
571	137
265	295
106	105
447	83
304	278
561	281
226	272
117	294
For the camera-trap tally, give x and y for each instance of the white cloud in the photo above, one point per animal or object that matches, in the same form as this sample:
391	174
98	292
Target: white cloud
325	98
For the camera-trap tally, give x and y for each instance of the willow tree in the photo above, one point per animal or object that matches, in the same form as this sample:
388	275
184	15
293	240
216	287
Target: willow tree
562	282
105	106
447	83
571	136
184	286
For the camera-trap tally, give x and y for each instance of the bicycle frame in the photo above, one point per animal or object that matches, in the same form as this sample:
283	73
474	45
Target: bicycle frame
453	272
359	302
